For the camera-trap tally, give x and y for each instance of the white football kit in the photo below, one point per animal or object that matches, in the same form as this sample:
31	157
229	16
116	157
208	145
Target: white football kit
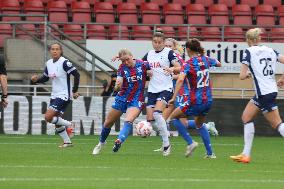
59	73
261	61
160	81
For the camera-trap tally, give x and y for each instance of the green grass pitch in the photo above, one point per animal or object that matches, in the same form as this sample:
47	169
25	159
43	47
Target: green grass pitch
28	162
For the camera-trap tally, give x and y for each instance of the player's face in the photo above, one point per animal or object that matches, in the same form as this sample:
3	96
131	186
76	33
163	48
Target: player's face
169	44
127	60
55	51
158	43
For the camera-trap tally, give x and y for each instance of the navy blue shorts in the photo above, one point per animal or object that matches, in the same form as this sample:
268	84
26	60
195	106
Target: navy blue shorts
58	105
123	106
266	103
196	110
163	96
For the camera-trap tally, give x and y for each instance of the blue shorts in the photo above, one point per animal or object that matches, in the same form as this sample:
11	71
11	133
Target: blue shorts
180	100
163	96
123	106
266	103
196	110
59	105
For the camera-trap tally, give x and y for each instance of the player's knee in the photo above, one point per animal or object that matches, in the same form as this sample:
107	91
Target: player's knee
48	118
245	118
157	114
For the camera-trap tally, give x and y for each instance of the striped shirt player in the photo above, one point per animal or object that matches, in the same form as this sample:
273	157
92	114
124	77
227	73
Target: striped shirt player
261	61
196	70
133	79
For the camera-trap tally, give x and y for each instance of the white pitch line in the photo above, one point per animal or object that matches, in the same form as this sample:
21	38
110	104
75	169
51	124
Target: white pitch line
124	179
136	168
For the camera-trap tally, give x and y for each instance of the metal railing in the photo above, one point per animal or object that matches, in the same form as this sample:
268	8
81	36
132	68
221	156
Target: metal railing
87	90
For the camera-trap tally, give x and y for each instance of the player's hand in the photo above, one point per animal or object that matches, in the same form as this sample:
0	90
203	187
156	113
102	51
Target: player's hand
114	58
171	102
150	73
34	78
168	71
280	83
4	102
76	95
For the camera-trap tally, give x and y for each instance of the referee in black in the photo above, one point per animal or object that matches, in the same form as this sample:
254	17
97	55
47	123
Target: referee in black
3	82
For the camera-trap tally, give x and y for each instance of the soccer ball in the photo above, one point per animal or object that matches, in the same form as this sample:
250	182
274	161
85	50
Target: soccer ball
144	129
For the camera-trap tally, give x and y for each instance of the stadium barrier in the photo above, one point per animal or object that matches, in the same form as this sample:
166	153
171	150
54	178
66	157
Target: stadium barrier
25	115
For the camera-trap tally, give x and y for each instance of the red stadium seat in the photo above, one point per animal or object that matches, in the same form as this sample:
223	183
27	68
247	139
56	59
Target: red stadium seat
205	3
5	32
57	11
104	12
113	2
274	3
173	13
127	13
81	11
142	33
29	28
229	3
34	7
159	2
277	35
51	31
211	33
150	13
234	34
136	2
264	15
264	35
119	32
168	31
242	15
281	14
184	33
195	14
219	14
182	2
251	3
96	32
10	7
74	31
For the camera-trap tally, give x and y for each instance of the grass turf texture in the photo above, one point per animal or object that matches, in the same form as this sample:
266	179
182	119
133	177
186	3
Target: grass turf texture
36	162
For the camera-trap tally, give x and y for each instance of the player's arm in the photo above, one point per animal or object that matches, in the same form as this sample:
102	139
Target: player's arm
244	73
3	81
42	79
179	84
175	62
118	83
280	82
70	69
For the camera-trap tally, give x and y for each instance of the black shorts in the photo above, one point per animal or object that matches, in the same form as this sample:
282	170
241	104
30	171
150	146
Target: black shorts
266	103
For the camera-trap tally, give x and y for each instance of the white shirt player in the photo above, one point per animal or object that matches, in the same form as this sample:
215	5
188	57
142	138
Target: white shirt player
261	61
160	81
59	73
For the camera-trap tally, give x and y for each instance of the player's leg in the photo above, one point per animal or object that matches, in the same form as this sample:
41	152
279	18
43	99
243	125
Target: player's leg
131	114
160	105
250	111
152	97
117	109
53	115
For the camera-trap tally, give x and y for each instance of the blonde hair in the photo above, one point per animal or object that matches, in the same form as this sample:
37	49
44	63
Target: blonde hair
253	35
123	52
177	46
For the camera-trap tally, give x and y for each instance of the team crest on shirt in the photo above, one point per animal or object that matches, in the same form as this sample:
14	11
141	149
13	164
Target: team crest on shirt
69	64
125	72
139	69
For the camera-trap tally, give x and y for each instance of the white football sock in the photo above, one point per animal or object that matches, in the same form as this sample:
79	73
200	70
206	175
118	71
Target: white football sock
281	129
248	138
60	121
162	126
63	134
